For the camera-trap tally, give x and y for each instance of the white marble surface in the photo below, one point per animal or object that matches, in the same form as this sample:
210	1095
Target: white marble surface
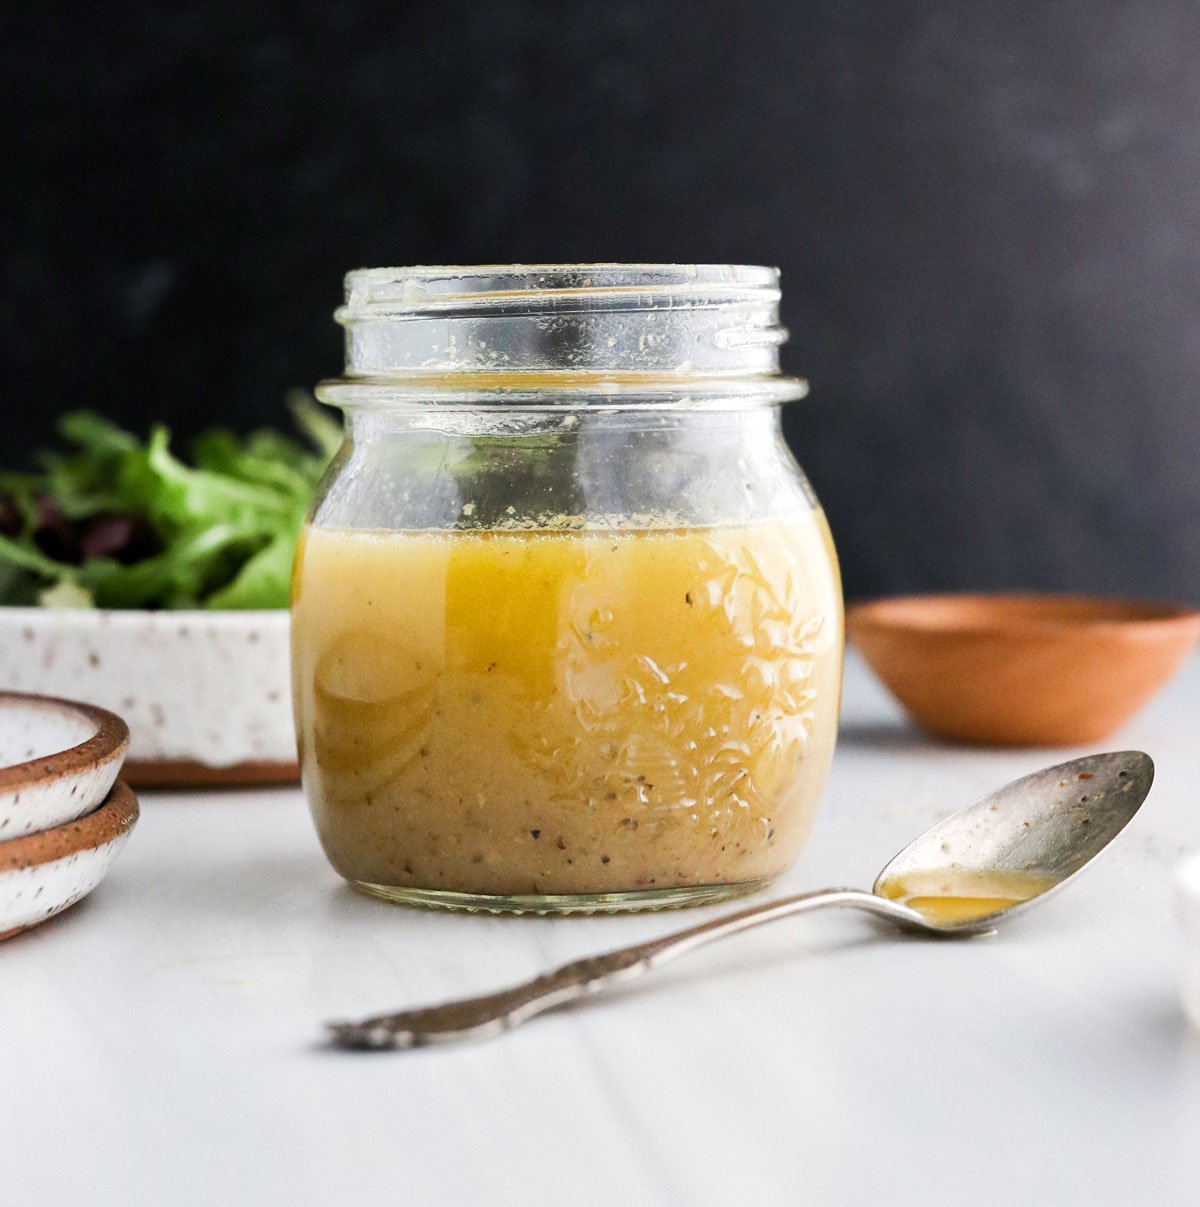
158	1044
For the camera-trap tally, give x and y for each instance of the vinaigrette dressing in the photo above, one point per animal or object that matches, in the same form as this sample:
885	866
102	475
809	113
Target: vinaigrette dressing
961	896
544	713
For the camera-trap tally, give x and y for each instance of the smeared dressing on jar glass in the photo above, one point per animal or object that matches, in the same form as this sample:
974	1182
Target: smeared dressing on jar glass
591	711
961	896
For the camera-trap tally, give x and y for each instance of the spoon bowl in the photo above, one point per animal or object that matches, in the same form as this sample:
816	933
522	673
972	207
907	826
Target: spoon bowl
1015	845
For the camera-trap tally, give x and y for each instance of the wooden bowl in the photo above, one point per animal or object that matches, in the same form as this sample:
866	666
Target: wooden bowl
1024	670
43	874
58	760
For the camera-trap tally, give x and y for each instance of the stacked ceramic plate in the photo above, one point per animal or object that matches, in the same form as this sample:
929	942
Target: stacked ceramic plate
64	815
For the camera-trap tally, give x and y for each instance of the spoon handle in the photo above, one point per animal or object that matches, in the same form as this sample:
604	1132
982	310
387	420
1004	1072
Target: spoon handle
494	1013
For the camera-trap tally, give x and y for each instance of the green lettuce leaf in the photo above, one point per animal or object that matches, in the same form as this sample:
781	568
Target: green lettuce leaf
217	533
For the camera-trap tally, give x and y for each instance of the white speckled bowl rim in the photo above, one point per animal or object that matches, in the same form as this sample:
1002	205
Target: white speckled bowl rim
108	743
134	617
113	818
1187	897
1187	908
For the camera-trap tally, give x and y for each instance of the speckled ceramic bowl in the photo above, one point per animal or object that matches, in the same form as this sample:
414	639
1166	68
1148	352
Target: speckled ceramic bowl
206	694
58	759
42	874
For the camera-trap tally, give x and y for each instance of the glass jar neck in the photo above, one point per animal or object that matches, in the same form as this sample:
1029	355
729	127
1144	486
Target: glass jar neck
576	335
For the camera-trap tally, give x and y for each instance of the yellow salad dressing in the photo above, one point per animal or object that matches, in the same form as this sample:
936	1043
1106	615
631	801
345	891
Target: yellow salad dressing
962	896
579	711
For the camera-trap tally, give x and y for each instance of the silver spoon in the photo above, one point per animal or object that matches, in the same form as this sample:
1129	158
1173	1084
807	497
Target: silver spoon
991	859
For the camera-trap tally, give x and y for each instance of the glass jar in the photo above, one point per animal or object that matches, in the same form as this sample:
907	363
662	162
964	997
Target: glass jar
567	621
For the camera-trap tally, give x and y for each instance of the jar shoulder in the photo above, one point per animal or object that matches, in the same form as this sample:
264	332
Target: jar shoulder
563	472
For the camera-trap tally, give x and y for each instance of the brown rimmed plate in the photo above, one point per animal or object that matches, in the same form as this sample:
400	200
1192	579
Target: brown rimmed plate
58	760
43	874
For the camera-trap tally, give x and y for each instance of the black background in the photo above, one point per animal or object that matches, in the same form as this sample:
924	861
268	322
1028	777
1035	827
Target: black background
988	217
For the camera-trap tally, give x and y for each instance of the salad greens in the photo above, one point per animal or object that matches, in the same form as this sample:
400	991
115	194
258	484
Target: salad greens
118	523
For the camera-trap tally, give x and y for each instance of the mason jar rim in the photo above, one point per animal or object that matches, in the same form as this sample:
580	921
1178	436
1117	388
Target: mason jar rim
518	333
418	288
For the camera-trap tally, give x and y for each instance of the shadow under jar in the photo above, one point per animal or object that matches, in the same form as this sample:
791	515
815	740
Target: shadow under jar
567	622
